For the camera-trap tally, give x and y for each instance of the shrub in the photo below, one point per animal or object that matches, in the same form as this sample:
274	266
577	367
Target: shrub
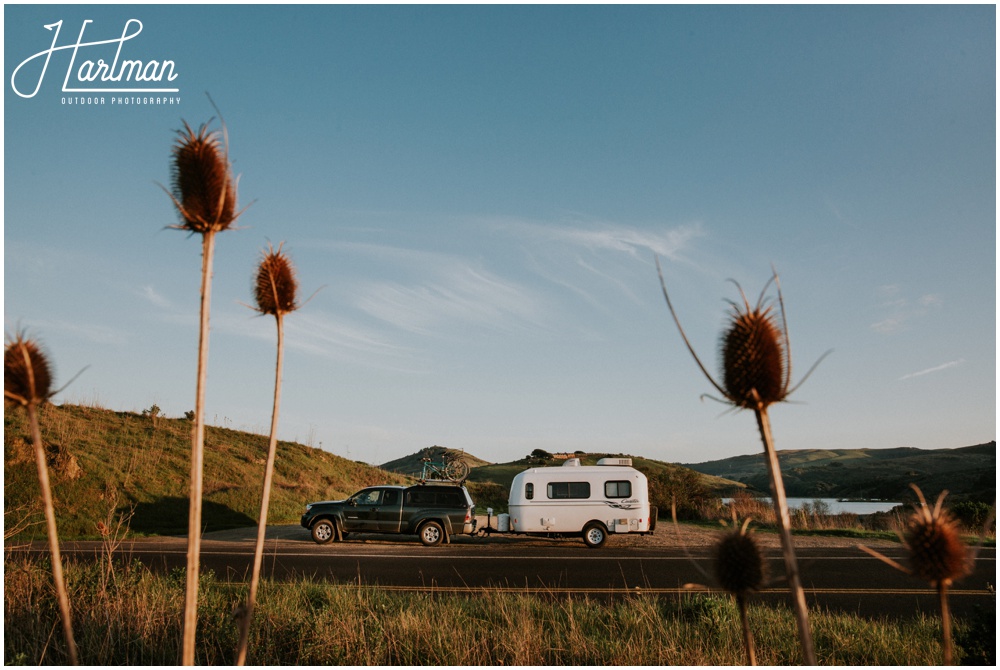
973	515
681	485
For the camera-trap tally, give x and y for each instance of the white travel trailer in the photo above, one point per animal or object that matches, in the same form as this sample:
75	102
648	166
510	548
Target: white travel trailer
589	500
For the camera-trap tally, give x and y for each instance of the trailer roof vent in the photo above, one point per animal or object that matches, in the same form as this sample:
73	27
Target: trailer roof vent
615	461
571	463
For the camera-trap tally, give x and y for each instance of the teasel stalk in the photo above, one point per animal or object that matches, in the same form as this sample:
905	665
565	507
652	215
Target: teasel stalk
27	381
275	288
204	193
756	373
937	555
740	570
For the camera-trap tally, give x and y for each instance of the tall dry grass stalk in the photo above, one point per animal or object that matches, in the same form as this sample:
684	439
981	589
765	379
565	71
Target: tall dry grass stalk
27	383
204	193
756	373
275	288
937	555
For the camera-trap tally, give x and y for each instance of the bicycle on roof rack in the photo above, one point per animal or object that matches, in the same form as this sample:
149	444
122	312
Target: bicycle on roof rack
450	468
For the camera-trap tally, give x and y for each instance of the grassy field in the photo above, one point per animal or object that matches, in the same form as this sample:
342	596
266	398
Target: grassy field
104	462
125	615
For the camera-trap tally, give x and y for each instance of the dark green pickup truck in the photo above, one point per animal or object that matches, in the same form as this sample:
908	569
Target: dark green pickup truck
433	512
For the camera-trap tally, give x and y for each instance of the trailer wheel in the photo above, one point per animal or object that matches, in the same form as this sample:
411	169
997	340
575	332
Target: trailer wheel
431	534
323	531
595	534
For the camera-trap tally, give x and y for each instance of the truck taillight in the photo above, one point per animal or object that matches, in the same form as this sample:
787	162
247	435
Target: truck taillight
468	516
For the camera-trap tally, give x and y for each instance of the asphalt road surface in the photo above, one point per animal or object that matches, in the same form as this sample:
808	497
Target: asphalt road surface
839	578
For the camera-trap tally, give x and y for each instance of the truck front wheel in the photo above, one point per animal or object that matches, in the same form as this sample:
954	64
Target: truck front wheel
431	534
323	531
594	534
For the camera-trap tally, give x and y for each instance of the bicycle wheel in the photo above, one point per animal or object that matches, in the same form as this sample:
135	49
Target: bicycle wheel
456	470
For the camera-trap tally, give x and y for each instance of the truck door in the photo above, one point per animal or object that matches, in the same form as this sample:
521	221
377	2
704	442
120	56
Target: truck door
387	515
361	513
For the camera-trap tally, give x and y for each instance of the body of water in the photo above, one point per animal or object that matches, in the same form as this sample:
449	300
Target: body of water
836	506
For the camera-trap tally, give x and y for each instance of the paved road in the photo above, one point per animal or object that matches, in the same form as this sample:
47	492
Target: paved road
837	578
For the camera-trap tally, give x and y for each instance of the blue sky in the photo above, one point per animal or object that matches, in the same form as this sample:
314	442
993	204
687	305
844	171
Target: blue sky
480	192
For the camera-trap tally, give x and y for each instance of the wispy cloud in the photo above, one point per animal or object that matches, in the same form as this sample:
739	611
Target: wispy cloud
515	280
340	340
154	297
317	333
611	255
90	332
611	237
455	293
936	368
899	310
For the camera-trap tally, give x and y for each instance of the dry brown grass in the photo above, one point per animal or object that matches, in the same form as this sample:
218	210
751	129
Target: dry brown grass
135	620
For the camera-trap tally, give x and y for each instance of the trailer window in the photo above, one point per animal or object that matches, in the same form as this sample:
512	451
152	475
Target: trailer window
564	490
617	489
529	491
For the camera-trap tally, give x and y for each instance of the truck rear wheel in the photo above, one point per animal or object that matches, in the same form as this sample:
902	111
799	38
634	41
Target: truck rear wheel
323	531
594	534
431	534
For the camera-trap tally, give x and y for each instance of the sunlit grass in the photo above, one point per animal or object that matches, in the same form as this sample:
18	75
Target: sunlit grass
148	468
134	619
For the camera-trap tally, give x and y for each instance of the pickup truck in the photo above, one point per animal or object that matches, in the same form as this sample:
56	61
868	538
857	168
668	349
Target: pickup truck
432	512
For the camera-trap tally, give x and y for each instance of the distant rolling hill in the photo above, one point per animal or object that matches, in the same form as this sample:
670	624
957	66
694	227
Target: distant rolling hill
482	471
413	464
966	472
503	473
102	461
489	483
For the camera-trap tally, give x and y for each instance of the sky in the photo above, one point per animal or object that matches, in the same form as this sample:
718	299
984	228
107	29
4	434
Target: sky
474	198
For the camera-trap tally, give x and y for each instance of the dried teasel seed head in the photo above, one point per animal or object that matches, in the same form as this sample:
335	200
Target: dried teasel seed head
275	285
755	352
739	566
937	553
754	369
203	188
27	377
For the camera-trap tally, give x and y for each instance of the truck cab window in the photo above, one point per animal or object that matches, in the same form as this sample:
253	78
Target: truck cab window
369	497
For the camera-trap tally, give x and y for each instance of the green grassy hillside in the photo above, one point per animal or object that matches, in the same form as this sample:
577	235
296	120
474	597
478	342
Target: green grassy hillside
103	461
967	472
